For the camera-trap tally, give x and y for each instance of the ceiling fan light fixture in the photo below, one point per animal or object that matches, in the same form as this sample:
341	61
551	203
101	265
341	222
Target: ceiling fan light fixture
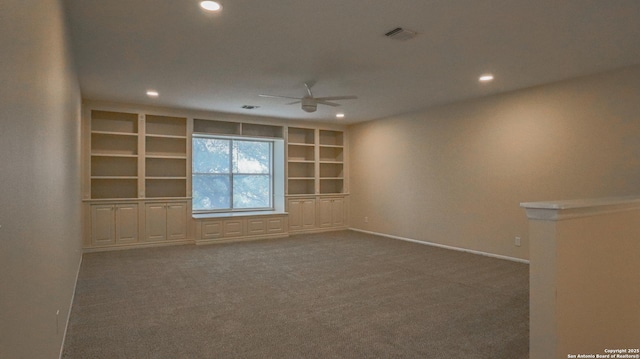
211	5
340	115
309	104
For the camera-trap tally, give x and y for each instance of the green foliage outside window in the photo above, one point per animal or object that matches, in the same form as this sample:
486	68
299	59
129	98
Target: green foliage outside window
231	174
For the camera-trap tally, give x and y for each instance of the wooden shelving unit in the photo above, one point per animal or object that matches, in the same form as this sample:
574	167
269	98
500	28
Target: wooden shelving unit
301	161
122	168
331	161
114	155
315	179
215	127
315	161
165	156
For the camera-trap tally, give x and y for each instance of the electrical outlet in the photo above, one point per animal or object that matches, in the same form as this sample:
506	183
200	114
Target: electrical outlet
517	241
366	219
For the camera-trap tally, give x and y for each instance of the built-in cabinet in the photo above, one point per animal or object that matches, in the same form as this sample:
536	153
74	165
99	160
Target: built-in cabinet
302	214
137	180
137	185
239	227
316	179
165	221
331	212
114	224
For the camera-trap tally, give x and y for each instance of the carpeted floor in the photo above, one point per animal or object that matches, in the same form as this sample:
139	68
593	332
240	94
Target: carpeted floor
332	295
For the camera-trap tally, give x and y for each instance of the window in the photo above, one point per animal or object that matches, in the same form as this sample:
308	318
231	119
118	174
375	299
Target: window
231	174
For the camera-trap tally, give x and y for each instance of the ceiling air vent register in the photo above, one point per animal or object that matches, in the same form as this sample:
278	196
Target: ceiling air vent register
401	34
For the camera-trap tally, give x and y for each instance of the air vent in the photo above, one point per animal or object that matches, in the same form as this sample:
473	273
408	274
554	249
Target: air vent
401	34
249	107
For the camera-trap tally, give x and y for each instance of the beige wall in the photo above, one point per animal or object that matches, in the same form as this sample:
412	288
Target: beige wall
39	180
456	174
584	276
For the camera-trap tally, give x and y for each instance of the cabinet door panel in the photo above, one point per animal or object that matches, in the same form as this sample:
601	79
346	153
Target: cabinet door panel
302	213
126	223
275	225
326	215
308	214
102	225
337	215
212	229
156	222
295	214
232	228
176	221
256	226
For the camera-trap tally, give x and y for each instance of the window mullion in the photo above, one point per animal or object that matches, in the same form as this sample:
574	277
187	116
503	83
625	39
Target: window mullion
231	153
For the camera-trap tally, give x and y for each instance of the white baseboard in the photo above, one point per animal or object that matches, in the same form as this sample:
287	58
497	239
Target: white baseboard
73	296
513	259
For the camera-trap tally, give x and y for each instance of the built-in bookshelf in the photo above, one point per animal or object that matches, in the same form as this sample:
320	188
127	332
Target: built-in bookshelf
119	165
301	161
114	154
315	160
216	127
165	156
331	161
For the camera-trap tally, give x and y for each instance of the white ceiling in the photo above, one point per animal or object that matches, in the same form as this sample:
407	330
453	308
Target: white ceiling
221	62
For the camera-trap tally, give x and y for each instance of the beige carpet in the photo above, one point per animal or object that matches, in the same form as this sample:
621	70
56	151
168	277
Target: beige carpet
333	295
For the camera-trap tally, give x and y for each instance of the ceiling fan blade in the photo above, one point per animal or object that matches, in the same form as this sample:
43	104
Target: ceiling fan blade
332	98
293	103
308	85
276	96
327	103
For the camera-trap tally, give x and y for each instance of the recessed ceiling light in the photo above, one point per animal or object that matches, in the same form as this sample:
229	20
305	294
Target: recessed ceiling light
152	93
486	78
340	115
211	5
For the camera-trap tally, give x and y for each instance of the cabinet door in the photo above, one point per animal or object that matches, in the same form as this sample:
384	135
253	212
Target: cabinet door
232	228
177	220
256	226
295	214
275	225
156	221
126	223
211	229
302	214
325	218
337	212
308	213
102	225
331	212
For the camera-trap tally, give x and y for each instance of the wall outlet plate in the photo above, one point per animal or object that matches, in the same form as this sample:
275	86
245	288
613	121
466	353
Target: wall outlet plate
518	241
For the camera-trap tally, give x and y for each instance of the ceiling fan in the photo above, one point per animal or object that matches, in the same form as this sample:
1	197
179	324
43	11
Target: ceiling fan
310	103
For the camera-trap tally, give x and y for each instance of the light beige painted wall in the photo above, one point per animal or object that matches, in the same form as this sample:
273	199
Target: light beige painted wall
455	174
584	276
598	283
40	237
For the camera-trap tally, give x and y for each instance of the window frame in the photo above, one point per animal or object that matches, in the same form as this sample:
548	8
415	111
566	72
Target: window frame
271	174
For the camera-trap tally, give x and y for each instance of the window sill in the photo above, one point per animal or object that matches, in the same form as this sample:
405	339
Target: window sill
236	214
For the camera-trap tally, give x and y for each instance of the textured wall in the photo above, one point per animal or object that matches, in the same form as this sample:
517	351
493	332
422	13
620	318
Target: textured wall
455	174
40	237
